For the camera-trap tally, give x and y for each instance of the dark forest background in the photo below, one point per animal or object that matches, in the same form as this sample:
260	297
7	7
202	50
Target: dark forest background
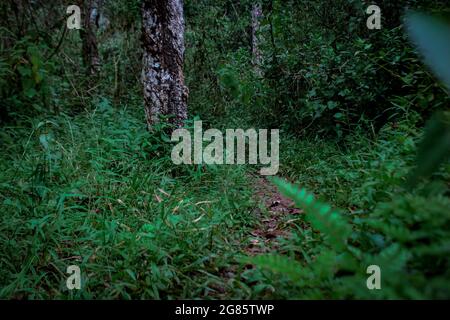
364	127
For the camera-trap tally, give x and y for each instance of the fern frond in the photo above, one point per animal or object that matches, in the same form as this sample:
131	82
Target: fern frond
322	217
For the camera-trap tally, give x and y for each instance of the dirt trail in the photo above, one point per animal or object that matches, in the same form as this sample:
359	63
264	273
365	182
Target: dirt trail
273	222
275	216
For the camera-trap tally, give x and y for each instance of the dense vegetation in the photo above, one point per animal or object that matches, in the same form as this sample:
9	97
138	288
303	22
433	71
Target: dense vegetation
364	126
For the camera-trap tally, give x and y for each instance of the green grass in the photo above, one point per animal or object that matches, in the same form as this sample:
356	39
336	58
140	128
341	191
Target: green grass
97	190
357	172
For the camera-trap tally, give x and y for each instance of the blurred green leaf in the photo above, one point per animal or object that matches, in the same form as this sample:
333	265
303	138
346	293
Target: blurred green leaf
435	147
432	36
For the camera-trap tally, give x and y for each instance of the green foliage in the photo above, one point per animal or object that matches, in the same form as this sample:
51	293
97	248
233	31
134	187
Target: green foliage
431	35
321	215
435	147
123	13
407	238
305	278
327	77
404	233
217	59
25	78
83	182
99	191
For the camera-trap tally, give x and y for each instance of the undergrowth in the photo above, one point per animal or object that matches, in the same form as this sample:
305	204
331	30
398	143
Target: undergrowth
98	191
361	213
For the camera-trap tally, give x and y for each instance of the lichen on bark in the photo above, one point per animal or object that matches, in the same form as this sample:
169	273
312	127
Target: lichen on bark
162	74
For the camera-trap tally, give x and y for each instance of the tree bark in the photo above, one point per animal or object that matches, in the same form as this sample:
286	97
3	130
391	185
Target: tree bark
256	50
163	42
91	57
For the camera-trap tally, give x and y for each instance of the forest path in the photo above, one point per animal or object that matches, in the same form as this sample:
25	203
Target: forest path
273	215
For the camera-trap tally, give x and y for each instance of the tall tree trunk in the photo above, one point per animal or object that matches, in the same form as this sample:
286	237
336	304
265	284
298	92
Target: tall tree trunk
256	49
162	74
91	57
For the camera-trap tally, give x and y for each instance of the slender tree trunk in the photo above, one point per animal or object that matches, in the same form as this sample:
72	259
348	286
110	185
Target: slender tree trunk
163	42
256	49
91	57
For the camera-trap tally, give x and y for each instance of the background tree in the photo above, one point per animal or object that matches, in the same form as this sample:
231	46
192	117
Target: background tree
163	42
91	56
256	50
